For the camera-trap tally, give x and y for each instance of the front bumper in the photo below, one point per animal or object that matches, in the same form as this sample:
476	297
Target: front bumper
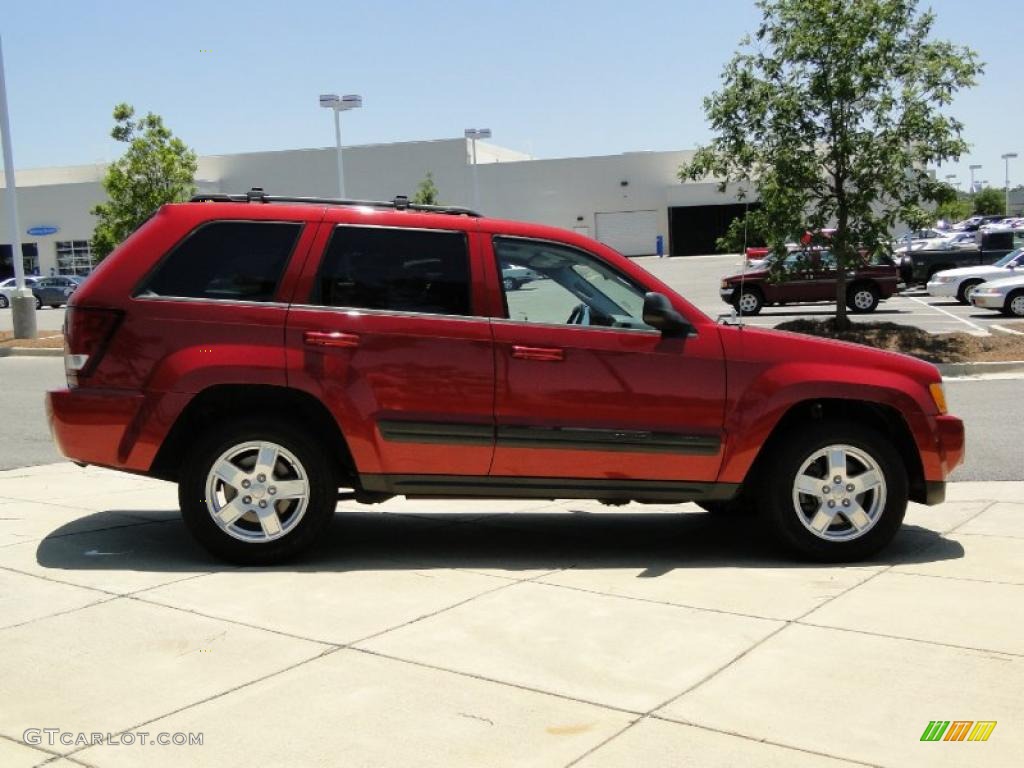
727	294
946	290
988	300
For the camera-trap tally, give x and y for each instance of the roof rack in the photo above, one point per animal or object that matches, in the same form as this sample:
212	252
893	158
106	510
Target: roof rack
400	203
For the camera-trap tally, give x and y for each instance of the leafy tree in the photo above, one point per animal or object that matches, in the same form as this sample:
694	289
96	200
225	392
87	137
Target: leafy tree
990	201
956	207
426	192
156	168
831	115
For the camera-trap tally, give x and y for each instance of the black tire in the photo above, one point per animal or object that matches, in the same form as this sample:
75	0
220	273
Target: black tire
511	284
321	503
755	300
1014	306
966	287
4	303
780	510
55	306
863	298
39	303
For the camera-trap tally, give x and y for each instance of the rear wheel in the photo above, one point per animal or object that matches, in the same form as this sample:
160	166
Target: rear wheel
835	492
966	289
862	298
257	493
4	303
511	284
1014	304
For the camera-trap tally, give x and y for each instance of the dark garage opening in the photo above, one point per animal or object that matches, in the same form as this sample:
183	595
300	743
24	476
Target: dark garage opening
693	229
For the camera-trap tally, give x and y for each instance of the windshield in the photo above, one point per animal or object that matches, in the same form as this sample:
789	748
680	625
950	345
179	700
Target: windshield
1014	258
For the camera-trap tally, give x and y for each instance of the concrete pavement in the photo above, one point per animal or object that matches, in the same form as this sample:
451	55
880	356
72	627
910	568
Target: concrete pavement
501	633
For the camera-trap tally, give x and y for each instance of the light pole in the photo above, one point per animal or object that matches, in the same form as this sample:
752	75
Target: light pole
973	169
1007	157
23	303
473	134
340	104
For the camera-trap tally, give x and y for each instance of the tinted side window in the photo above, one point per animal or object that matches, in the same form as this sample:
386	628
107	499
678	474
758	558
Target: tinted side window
233	260
404	270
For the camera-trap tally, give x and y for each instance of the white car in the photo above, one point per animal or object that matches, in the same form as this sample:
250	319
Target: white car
961	282
1005	295
8	286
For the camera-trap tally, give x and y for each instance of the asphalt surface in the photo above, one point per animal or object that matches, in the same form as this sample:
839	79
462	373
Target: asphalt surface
988	406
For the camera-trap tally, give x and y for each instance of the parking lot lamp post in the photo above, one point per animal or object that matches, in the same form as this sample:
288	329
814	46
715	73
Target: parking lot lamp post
23	303
1007	157
340	104
973	169
473	134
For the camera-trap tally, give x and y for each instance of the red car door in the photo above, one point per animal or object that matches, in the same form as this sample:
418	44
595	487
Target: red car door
382	331
585	390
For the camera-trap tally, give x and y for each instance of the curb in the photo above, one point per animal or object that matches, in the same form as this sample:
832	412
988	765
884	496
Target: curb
955	370
31	352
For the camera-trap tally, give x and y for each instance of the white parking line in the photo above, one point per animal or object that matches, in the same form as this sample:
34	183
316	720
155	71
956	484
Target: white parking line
982	331
1004	329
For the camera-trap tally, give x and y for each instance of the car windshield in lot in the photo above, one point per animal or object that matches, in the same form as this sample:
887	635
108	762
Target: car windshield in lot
1012	259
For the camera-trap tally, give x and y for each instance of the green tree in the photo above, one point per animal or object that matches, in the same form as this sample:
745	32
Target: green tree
956	207
832	114
426	192
156	168
990	202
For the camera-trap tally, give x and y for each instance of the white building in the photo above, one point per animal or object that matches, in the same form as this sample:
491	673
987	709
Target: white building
626	200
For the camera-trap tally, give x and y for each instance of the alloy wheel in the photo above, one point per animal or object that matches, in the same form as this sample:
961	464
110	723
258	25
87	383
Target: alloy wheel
839	493
257	491
748	303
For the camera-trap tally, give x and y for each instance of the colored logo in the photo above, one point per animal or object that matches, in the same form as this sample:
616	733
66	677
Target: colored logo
40	231
958	730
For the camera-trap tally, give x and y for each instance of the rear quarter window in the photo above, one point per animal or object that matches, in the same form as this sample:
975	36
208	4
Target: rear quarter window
225	260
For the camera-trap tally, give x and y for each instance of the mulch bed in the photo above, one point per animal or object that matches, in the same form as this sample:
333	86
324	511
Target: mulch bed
46	340
933	347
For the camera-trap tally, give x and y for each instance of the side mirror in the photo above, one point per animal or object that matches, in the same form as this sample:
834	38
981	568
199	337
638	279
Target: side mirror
659	313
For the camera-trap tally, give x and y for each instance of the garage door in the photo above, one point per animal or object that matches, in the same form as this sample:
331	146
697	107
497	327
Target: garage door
631	233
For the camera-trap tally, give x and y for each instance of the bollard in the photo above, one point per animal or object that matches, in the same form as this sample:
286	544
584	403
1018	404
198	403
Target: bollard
23	315
660	243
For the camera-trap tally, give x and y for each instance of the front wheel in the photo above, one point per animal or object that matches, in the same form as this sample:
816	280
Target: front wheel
1014	304
39	303
257	493
835	492
4	303
750	301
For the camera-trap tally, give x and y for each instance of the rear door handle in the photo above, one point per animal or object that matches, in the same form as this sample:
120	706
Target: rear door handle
330	339
549	354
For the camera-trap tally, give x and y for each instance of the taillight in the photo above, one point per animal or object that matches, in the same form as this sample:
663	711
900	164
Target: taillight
87	333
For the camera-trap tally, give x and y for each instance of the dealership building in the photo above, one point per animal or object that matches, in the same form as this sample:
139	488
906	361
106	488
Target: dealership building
628	201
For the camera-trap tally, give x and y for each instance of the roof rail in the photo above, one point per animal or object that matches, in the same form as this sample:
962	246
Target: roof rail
400	203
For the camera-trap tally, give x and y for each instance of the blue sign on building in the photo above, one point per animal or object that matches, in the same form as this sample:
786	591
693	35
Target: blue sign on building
40	231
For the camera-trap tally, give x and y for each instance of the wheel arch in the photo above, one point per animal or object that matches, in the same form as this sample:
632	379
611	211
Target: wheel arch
232	401
884	418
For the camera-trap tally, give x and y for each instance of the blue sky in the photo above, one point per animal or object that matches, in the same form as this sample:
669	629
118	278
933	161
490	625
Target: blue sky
552	78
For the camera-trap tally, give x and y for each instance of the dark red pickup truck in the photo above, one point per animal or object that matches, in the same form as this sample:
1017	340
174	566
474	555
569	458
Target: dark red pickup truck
810	275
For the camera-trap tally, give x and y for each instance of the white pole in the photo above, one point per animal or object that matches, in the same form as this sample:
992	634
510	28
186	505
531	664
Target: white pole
337	140
1007	186
476	180
23	308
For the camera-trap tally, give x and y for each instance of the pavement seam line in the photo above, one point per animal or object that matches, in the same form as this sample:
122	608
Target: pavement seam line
94	603
20	743
325	652
977	514
910	639
737	734
959	578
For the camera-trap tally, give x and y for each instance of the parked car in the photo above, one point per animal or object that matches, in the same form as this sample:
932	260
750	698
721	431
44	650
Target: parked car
55	291
373	348
8	286
1005	295
810	275
960	283
918	266
973	223
513	276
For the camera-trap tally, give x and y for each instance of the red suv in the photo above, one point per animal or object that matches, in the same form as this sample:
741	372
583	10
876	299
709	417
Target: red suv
265	352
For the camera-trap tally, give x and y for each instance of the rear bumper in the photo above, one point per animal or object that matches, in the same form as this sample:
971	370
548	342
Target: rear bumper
98	427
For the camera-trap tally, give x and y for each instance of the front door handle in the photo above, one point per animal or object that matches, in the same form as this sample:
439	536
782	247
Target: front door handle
330	339
549	354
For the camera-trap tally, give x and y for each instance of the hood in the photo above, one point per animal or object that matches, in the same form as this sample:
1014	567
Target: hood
757	273
974	271
1015	281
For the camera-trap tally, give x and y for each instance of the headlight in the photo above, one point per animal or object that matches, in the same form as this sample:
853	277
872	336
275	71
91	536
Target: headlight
942	279
725	284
